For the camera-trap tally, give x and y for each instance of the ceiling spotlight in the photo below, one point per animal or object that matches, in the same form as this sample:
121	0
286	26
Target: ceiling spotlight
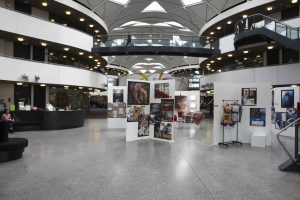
258	56
245	58
42	85
212	61
269	8
230	55
246	51
81	53
20	39
229	22
219	27
212	33
44	4
81	19
43	44
51	54
270	47
68	12
245	16
185	57
294	1
65	24
113	56
66	87
66	49
220	58
96	31
52	20
90	57
64	56
19	83
96	60
91	25
80	88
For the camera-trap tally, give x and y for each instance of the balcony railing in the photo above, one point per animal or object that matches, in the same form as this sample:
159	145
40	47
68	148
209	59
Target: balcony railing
261	21
156	40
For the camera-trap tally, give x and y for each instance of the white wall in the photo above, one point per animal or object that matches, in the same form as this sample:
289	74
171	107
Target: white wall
233	91
12	69
22	24
276	75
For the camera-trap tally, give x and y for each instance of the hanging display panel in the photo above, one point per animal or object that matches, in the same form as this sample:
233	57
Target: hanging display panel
181	104
118	95
138	93
161	90
249	96
257	117
287	98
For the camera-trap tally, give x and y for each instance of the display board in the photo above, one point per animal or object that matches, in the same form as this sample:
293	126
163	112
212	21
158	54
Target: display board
256	111
150	110
187	101
284	108
116	107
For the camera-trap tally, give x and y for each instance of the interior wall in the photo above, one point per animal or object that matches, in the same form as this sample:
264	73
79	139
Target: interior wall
7	91
36	12
233	91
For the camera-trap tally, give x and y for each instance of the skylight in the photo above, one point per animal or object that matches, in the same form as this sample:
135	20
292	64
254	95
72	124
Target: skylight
191	2
122	2
172	23
154	7
161	24
141	24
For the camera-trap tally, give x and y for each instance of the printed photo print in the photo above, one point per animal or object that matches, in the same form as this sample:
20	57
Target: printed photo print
161	90
249	96
138	93
287	98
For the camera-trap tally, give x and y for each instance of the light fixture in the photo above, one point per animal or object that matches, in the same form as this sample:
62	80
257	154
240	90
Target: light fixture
96	31
51	54
19	83
90	57
245	16
81	53
245	58
185	57
293	85
81	19
20	39
44	4
294	1
148	59
113	56
229	22
212	33
212	61
64	56
66	49
269	8
246	51
65	24
66	87
219	28
230	55
68	12
208	64
270	47
42	85
43	44
96	60
91	25
219	58
80	88
258	56
52	20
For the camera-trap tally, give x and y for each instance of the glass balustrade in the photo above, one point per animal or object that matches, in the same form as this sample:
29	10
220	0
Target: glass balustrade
260	21
155	40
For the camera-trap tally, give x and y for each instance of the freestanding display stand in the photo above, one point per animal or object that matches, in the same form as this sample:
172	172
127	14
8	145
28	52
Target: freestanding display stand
237	112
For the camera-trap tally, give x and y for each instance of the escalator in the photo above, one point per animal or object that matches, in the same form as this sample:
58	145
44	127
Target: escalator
259	28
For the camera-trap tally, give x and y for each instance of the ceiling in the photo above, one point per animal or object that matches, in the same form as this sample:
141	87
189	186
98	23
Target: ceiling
160	16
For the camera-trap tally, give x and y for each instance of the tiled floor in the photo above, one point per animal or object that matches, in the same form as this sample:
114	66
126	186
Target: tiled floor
96	163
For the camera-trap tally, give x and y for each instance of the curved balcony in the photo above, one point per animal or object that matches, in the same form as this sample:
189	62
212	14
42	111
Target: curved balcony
258	28
155	44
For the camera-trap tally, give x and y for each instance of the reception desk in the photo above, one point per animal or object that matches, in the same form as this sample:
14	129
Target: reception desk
53	120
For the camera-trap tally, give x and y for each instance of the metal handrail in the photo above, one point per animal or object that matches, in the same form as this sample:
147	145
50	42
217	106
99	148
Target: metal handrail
281	143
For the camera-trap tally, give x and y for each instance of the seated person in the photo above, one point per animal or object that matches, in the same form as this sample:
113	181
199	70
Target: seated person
7	117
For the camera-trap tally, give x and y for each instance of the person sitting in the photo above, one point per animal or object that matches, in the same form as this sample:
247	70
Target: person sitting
6	116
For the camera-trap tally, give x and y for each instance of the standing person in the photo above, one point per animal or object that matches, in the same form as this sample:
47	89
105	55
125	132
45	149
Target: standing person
128	40
6	116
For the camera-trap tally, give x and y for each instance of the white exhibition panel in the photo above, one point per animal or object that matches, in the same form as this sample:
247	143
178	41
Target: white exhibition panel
12	69
277	105
116	123
276	75
233	91
191	101
27	25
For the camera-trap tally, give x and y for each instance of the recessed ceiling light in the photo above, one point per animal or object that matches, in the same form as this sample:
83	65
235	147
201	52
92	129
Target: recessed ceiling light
64	56
43	44
230	55
294	1
65	24
269	8
91	57
212	33
220	58
91	25
81	19
80	88
212	61
66	49
219	27
229	22
185	57
20	39
51	54
19	83
52	20
66	86
42	85
96	60
270	47
245	58
68	12
246	51
245	16
208	64
44	4
81	53
96	31
258	56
